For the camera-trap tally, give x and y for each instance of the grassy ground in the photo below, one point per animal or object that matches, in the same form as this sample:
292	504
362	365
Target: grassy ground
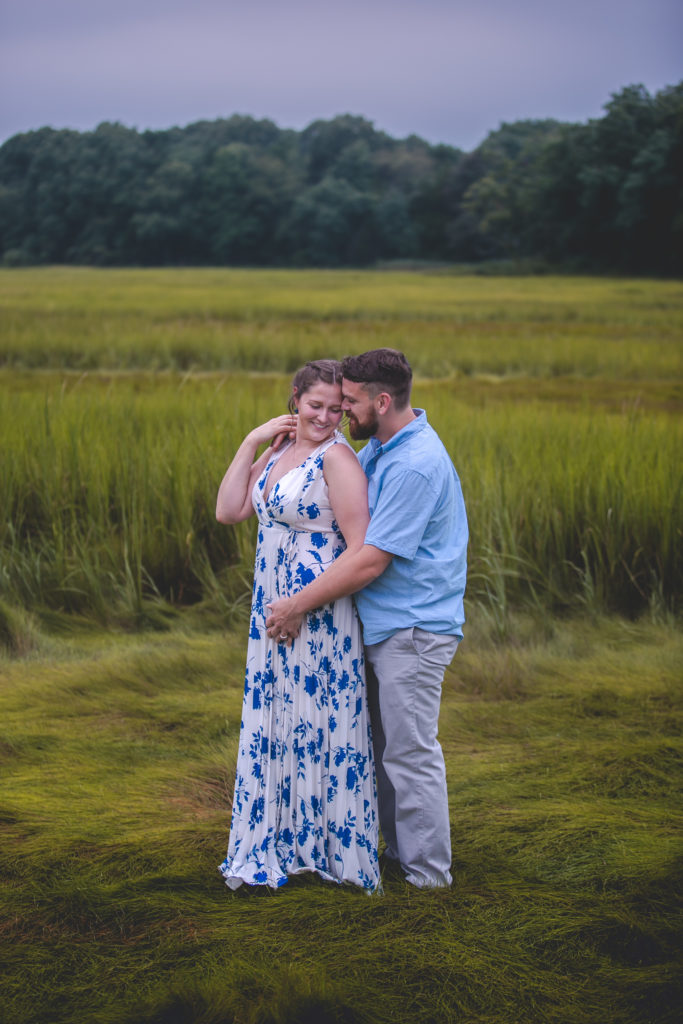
562	746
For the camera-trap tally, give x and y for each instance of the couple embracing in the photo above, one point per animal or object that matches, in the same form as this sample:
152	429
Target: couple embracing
342	695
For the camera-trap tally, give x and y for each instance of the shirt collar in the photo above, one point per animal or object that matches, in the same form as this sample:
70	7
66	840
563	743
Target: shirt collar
419	423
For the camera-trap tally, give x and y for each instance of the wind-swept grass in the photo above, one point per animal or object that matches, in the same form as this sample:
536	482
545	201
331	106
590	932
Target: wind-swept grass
563	751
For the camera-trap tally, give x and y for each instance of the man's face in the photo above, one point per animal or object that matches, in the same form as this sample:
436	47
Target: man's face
359	406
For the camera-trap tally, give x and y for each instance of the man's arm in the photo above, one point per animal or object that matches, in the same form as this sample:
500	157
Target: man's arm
353	570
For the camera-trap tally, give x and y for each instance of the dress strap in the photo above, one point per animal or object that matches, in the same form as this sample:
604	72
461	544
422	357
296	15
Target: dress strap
336	438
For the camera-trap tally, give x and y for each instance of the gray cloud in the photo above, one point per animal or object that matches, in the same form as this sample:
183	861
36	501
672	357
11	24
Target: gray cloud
448	71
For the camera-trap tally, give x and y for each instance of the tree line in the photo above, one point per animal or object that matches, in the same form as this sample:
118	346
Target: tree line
602	196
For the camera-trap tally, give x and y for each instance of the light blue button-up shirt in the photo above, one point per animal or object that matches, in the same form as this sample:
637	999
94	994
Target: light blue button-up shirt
418	514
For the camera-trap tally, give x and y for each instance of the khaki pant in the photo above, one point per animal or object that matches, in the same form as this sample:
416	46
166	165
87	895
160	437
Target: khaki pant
404	679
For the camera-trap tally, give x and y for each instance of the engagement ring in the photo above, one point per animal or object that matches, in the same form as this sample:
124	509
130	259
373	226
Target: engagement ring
283	636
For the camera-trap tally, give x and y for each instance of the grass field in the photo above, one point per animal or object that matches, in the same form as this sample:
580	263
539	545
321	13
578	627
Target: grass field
122	637
563	752
275	320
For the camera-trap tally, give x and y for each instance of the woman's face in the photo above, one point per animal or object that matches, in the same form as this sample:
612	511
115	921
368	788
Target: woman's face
320	412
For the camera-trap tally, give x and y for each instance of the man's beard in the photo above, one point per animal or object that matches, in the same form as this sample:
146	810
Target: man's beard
362	431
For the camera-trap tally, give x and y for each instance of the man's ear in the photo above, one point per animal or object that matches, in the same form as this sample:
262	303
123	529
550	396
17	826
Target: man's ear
383	402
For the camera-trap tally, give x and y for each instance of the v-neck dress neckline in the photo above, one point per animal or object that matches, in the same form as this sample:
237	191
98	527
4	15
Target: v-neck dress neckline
278	455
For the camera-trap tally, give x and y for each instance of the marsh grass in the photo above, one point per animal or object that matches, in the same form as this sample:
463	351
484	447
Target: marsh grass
109	493
274	320
563	751
557	398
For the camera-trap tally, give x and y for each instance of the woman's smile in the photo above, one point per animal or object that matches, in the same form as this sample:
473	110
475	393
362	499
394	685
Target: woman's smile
320	410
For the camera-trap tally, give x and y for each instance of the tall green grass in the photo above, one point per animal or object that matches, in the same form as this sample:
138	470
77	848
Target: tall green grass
275	320
109	484
109	498
557	398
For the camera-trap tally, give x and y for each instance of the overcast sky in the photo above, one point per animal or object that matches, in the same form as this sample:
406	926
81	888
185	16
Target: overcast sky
446	70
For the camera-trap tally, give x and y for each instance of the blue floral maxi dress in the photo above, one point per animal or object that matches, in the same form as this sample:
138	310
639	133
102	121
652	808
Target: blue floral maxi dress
305	796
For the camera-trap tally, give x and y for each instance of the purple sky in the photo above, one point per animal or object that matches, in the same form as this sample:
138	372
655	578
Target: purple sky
446	70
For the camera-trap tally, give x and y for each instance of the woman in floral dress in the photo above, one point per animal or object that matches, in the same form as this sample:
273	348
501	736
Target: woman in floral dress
305	796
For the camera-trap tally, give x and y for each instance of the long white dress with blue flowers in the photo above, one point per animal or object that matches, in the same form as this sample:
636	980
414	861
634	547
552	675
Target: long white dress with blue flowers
305	796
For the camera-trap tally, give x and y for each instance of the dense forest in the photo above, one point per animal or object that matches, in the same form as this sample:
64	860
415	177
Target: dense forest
605	195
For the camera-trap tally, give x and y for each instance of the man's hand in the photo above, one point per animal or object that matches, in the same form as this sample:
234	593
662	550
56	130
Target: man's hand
284	620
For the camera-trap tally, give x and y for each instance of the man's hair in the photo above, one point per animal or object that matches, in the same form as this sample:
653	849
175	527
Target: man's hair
328	371
381	369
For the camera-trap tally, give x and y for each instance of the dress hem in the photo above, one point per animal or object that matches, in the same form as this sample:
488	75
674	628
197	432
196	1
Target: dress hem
234	882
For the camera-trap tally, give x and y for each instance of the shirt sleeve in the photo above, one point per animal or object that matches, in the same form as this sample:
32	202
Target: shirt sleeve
403	509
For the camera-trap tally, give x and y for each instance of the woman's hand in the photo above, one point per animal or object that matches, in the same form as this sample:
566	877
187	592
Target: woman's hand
275	431
233	504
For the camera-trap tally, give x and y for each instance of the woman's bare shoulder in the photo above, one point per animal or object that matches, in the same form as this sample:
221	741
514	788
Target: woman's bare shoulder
341	460
340	452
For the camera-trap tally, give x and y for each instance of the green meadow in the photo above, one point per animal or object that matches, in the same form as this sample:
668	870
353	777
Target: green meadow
87	319
122	637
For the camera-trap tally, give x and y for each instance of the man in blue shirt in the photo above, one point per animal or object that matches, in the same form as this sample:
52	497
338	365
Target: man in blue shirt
409	581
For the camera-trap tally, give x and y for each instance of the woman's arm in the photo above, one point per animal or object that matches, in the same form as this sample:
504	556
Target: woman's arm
233	504
347	487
